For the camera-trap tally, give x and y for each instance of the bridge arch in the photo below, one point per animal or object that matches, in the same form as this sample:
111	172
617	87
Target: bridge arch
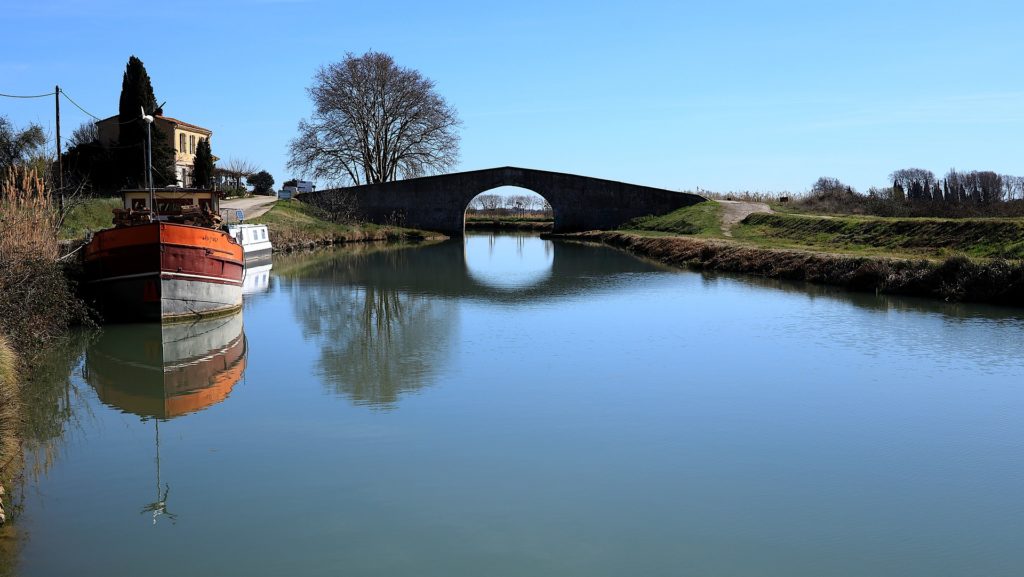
438	202
498	201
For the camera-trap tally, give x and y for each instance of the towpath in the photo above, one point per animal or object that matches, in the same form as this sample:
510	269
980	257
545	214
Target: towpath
251	206
736	210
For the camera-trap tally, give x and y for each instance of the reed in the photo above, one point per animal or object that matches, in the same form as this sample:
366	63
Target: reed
37	301
27	217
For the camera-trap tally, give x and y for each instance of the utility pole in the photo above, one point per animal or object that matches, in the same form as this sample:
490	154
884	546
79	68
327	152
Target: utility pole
60	162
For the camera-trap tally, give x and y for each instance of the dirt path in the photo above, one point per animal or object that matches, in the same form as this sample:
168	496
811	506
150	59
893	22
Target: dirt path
735	211
251	206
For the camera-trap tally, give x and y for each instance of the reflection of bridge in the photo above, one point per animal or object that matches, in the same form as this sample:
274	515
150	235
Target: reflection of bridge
385	319
439	202
441	270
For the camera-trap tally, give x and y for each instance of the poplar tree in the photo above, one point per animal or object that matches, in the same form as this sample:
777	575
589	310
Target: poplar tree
137	95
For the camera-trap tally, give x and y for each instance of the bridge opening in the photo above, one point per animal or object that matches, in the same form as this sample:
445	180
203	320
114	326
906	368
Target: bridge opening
509	208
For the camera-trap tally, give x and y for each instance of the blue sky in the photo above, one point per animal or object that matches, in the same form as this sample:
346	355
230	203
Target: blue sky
719	95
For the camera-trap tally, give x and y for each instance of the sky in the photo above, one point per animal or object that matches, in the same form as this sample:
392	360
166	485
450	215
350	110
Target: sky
722	96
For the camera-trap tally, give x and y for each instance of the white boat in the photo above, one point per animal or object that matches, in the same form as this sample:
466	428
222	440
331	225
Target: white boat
254	239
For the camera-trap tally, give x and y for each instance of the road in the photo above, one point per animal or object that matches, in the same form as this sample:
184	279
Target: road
251	206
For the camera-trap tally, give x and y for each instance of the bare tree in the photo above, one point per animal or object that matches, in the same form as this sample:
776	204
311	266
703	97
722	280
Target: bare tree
372	122
235	169
489	202
86	133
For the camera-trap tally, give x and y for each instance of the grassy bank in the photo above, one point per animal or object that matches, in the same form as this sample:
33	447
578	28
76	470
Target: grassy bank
926	237
700	219
294	225
89	216
956	278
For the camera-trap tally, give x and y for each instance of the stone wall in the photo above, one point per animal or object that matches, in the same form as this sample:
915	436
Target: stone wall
439	203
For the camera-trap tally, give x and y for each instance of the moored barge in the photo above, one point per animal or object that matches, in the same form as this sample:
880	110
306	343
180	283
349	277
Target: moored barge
168	265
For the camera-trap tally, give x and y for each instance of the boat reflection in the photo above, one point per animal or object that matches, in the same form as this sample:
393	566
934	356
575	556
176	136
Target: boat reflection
165	371
257	278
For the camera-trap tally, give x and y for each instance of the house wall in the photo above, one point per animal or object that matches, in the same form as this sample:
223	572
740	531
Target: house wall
109	131
184	149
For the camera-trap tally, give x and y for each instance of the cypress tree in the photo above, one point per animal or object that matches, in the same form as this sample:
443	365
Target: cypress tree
202	174
136	95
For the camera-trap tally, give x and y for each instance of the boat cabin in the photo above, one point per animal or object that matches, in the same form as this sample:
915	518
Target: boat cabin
177	205
172	201
255	241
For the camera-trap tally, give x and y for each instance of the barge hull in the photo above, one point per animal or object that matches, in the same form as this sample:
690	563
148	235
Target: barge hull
164	272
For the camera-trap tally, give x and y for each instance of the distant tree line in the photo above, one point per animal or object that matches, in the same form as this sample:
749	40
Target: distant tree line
919	192
516	204
978	186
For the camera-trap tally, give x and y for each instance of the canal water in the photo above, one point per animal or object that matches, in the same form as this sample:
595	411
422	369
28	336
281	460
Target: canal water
506	405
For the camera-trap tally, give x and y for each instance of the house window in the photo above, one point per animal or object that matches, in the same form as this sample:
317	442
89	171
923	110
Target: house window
181	142
191	144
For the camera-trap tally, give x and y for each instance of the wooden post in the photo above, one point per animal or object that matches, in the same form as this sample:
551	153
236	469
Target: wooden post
60	161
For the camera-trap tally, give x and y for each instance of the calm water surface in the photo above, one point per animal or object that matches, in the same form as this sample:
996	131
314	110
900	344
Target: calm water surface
512	406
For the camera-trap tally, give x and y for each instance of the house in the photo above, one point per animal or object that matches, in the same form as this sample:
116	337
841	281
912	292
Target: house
182	135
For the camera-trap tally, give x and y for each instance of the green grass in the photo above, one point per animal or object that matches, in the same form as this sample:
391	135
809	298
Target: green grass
299	217
92	215
703	219
296	223
928	237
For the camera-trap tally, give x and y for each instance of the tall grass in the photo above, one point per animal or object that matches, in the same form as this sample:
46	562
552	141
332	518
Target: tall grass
744	195
27	217
37	302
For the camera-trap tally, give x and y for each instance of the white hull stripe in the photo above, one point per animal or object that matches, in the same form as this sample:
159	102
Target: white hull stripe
169	275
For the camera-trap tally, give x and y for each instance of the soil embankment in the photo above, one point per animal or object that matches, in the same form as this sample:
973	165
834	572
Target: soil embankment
296	226
292	240
957	278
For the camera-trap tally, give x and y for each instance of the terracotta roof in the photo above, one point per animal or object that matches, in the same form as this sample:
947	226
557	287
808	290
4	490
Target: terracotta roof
185	124
168	119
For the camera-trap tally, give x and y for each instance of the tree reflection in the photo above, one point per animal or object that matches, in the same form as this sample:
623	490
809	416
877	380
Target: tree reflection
377	342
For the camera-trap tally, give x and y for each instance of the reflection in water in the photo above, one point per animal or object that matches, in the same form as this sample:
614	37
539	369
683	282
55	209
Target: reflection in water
257	278
376	341
158	507
629	416
509	261
164	371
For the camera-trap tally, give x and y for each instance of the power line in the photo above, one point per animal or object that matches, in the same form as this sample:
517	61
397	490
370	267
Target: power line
78	106
28	95
71	100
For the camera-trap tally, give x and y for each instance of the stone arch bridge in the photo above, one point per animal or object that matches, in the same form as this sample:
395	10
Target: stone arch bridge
439	202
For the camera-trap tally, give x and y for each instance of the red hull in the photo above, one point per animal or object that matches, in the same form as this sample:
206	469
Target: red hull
163	271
